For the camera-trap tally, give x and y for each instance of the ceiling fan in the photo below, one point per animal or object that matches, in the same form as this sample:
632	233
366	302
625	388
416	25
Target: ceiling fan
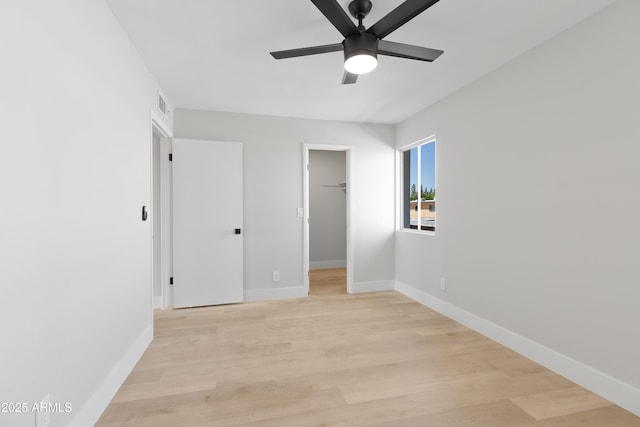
362	45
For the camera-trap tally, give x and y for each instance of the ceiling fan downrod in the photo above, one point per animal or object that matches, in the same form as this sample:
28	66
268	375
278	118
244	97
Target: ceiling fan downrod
359	9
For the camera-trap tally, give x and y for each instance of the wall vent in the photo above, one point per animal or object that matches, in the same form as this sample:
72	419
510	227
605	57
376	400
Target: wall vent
162	105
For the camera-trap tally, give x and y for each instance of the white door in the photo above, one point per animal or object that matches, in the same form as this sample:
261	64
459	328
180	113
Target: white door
207	223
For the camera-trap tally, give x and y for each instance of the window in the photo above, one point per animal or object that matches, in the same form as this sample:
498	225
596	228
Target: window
419	186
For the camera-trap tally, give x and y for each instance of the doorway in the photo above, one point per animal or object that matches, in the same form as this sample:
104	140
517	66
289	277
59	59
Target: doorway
160	212
328	188
166	220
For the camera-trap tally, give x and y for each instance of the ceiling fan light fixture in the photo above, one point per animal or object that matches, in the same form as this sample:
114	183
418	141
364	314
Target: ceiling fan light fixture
361	62
360	53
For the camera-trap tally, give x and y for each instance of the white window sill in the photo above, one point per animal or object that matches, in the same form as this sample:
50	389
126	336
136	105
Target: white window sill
420	232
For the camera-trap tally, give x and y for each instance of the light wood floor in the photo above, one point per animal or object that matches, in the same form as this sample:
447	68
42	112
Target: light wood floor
334	359
328	282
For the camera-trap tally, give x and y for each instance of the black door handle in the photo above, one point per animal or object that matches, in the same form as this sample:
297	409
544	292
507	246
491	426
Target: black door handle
145	214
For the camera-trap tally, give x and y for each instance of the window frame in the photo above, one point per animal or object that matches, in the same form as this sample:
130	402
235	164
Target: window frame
402	207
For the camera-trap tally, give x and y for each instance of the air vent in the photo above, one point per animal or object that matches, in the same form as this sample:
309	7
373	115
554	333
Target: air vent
162	105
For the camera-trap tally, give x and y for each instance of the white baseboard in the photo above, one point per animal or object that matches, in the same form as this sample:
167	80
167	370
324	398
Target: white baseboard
157	301
89	414
376	286
338	263
610	388
274	293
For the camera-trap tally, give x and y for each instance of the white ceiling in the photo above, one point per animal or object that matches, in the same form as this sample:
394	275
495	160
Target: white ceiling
214	54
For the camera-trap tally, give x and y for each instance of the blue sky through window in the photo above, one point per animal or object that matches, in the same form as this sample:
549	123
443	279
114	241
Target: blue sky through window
428	160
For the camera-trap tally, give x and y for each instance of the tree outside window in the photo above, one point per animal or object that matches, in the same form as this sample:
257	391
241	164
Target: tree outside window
419	172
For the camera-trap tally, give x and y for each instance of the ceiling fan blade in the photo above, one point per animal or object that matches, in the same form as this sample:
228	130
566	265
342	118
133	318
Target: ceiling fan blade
399	16
305	51
349	78
337	16
408	51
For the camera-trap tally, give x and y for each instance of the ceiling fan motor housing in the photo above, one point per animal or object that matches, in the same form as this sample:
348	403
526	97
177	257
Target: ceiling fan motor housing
360	44
359	9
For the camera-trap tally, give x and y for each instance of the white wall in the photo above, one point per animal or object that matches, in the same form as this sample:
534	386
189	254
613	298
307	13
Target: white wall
327	209
273	191
538	197
74	173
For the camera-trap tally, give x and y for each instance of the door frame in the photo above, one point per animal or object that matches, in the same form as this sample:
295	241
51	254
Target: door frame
158	125
350	154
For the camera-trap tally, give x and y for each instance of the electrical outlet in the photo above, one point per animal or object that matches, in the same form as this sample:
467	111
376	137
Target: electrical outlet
443	285
300	212
43	415
275	276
